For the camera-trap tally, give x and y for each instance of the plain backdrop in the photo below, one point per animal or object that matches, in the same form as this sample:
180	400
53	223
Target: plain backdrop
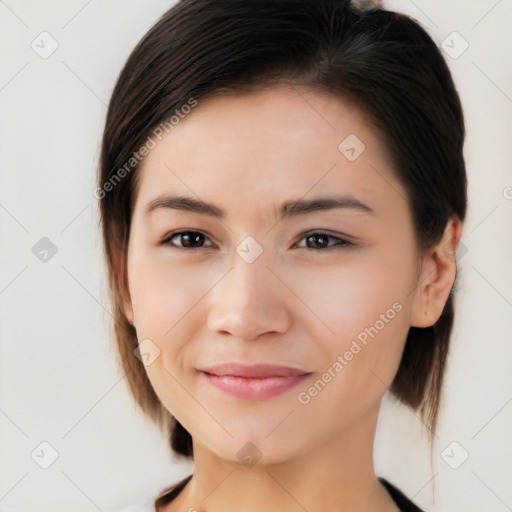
64	403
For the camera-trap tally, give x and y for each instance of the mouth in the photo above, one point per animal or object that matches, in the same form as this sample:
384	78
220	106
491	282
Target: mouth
256	382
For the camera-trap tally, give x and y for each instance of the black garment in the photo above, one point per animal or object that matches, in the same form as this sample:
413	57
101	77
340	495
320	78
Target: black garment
405	505
169	493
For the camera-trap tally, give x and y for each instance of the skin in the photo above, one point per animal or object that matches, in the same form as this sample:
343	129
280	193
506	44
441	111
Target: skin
293	305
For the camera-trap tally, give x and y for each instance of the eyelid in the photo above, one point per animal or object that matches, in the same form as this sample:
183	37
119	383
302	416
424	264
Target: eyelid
169	236
341	242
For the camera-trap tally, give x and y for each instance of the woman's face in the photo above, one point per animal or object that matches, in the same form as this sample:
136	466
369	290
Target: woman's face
327	291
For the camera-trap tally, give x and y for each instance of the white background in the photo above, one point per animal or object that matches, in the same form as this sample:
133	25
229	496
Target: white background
59	381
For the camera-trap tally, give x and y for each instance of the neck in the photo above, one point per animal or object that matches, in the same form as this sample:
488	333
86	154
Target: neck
335	475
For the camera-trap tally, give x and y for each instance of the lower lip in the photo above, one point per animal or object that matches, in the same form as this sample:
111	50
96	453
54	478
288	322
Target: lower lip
253	389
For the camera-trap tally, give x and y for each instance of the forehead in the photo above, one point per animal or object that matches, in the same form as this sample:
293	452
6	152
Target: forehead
270	144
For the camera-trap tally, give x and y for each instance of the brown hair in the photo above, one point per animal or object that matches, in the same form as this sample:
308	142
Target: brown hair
382	60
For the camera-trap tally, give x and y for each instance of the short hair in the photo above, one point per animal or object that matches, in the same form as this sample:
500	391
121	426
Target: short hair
384	62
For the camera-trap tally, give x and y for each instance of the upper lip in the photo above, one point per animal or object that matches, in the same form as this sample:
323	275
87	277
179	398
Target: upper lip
253	371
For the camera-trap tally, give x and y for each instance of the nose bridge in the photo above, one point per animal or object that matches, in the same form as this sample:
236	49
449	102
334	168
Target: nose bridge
248	301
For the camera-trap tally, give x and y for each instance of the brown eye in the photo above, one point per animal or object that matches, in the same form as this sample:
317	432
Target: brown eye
189	239
318	240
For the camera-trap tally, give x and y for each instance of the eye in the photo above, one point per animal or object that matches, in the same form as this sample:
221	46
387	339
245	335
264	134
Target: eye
189	239
196	240
321	239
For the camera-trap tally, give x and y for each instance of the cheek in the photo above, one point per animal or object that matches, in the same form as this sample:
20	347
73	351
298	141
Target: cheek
350	296
362	348
163	293
359	310
165	299
169	310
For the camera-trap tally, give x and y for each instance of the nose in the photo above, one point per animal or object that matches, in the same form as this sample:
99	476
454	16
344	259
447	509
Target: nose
249	301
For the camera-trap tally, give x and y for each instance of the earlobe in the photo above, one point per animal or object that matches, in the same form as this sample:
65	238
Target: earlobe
437	277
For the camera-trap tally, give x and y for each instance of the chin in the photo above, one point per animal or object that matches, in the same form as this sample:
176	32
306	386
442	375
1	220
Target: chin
254	450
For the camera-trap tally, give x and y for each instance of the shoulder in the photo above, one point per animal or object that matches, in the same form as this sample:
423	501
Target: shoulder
404	503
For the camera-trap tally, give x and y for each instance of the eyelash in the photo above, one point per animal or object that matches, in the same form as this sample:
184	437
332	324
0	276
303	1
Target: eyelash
343	244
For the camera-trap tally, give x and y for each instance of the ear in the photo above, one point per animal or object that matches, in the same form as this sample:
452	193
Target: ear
121	276
437	277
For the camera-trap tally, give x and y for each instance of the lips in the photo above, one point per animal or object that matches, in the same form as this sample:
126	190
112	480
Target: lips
252	382
257	371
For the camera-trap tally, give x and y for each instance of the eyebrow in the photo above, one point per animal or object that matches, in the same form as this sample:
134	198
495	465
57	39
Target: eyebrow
287	210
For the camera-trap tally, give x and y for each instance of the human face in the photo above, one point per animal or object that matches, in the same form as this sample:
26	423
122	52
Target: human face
304	301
